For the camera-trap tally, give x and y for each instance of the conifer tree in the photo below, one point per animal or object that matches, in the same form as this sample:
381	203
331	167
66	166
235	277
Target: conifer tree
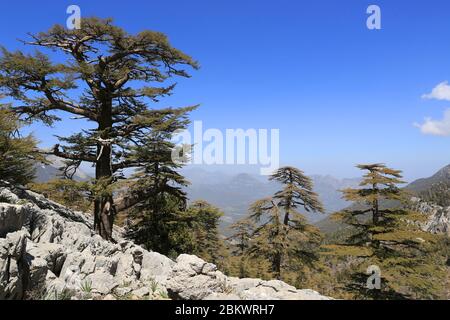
158	187
107	77
283	235
205	225
241	263
242	231
240	243
388	236
17	153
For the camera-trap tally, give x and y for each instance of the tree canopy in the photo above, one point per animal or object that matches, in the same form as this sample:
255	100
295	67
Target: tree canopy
109	78
18	154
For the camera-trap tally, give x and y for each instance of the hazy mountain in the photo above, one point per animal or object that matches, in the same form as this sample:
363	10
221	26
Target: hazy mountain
442	176
234	193
328	189
45	173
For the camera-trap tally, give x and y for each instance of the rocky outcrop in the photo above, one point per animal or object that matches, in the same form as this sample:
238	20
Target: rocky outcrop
13	270
50	252
438	218
194	279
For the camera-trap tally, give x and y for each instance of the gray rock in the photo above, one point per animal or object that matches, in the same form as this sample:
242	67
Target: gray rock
438	218
13	265
102	283
155	267
194	279
7	196
142	292
109	297
222	296
52	254
123	291
12	218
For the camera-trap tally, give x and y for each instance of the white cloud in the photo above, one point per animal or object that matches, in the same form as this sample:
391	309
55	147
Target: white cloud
436	127
440	92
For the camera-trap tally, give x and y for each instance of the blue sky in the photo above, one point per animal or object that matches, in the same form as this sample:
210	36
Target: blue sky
339	93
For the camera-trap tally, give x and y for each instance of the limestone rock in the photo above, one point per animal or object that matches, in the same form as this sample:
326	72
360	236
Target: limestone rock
155	267
12	218
438	218
141	293
13	265
194	279
50	252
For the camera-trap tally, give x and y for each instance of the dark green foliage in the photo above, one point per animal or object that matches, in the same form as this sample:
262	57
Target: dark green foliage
241	264
241	235
389	238
17	153
159	211
282	234
209	244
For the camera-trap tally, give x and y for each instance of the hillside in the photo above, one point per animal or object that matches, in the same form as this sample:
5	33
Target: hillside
46	172
424	184
435	189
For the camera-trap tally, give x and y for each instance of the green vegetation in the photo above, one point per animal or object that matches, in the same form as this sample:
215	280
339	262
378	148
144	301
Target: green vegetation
390	239
73	194
17	152
277	232
412	262
438	193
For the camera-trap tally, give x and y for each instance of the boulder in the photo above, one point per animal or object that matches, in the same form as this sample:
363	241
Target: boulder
155	267
194	279
12	218
13	265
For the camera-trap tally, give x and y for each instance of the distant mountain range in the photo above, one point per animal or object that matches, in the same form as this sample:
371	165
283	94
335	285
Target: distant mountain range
234	193
51	171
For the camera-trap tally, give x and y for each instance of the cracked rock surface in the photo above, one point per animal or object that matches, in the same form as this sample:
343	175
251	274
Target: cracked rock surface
50	252
438	220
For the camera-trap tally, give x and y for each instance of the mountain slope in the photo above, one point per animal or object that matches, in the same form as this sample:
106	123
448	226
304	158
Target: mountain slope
46	172
424	184
435	189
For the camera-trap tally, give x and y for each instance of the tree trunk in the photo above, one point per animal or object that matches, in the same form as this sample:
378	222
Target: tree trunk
104	205
276	266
